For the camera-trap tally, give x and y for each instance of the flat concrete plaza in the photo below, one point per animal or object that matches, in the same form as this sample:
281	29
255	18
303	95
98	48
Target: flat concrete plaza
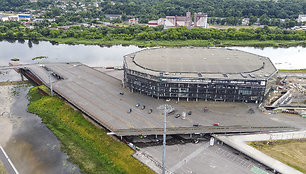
103	98
198	158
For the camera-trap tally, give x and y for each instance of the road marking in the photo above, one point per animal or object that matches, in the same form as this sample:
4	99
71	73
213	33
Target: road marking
189	157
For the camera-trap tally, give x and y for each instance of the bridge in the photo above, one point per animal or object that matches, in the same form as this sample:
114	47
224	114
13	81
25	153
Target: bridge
102	98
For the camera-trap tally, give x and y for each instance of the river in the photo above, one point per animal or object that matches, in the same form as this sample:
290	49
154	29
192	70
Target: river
98	56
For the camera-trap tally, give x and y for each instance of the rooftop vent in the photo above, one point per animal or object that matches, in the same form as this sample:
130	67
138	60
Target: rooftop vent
200	75
225	75
252	75
243	75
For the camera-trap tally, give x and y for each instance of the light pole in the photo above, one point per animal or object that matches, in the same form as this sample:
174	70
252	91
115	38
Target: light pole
50	83
167	109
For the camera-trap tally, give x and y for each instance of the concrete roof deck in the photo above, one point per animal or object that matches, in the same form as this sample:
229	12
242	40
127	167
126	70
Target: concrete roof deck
187	62
97	94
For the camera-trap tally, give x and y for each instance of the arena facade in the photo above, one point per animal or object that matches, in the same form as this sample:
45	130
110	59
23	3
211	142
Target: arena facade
194	73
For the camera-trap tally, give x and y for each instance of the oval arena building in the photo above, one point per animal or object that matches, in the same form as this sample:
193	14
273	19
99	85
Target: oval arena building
194	73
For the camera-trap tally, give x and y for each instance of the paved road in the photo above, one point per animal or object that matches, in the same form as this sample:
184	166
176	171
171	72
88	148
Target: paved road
6	162
239	142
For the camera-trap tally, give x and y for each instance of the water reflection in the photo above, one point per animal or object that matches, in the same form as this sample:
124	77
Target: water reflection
112	55
91	55
33	147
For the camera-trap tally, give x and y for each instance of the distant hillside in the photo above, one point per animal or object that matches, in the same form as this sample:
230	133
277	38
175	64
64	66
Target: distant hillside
6	5
217	8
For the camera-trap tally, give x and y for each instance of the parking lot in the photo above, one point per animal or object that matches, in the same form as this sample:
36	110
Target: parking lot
199	158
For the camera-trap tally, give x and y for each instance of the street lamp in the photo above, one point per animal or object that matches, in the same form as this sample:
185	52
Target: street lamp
167	109
50	83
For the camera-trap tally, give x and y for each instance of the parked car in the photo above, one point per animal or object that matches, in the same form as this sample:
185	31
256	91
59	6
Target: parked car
150	111
196	125
121	93
137	105
177	115
189	112
216	124
130	110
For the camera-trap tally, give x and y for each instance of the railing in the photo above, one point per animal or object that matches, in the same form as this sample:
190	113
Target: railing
289	135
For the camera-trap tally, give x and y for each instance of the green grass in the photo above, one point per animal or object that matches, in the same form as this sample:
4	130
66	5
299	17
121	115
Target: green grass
39	57
15	59
86	144
291	152
293	70
200	43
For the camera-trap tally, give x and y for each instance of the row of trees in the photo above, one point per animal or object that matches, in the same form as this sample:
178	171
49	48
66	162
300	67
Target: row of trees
13	30
150	9
262	20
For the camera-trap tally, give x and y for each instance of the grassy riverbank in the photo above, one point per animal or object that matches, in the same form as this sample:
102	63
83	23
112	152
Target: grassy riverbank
87	145
175	43
290	152
293	71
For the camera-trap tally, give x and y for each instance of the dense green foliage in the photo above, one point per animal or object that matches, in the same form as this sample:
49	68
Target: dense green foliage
150	9
87	145
12	4
21	5
13	30
230	12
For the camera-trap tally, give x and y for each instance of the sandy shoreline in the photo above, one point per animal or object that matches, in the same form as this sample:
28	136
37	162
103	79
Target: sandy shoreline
6	122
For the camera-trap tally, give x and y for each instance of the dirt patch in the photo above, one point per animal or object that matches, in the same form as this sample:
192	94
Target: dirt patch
290	152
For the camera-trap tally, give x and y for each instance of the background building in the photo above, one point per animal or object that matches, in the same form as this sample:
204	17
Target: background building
200	20
302	18
199	73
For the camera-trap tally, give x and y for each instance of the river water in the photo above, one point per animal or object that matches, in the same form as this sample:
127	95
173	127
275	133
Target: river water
32	147
98	56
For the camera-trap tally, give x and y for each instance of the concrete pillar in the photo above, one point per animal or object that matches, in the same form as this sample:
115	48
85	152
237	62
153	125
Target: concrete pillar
22	78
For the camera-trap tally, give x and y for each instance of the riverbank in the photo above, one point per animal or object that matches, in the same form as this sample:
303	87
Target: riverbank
6	123
292	71
87	145
179	43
